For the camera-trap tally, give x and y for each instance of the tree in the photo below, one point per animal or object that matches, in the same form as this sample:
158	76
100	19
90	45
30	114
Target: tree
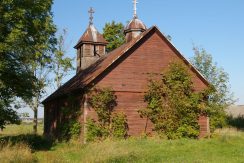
8	115
221	97
113	33
26	29
173	106
61	65
56	63
41	69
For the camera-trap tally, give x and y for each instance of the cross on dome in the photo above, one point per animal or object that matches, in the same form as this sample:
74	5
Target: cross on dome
91	12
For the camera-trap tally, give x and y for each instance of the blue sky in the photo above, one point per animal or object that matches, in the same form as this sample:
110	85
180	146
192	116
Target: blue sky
216	25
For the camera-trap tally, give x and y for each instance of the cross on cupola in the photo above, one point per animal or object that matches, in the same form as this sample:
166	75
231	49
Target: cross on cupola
91	12
91	46
135	14
135	27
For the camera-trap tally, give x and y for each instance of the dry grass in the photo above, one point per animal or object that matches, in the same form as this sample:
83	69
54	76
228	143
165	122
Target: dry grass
19	153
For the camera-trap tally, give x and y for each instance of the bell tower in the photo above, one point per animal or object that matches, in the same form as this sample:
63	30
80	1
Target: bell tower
91	46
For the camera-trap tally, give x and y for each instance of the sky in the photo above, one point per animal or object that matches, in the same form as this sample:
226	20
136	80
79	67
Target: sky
215	25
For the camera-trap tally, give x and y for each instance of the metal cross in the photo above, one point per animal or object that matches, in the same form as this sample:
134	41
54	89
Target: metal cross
135	2
91	12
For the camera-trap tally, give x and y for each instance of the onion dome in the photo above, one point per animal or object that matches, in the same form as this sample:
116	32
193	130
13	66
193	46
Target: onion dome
135	27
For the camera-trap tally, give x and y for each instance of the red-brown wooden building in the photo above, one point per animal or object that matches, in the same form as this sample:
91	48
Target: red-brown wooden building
126	70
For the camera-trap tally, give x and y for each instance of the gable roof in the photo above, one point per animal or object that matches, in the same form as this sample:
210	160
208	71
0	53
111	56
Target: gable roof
87	76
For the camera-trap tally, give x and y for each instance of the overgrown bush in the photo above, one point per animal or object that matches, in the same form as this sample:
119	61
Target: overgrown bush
217	115
95	131
173	105
70	129
69	126
119	125
103	102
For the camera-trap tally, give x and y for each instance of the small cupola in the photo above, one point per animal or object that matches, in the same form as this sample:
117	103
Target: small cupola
91	46
135	27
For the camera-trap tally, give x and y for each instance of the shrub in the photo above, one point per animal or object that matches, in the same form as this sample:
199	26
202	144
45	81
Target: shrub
75	129
69	127
95	131
103	102
119	125
173	105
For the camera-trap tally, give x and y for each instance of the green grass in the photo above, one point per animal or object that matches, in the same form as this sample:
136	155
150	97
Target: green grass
226	146
24	128
222	149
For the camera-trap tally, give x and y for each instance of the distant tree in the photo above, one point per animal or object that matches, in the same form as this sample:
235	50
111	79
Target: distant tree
221	97
113	33
25	115
62	64
26	29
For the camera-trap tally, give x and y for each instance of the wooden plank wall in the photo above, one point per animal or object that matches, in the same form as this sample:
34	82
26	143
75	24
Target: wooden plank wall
129	79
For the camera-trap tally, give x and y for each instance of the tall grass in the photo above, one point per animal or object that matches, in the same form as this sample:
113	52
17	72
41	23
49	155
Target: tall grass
19	153
223	148
226	146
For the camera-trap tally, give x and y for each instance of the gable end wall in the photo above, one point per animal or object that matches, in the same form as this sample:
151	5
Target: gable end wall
129	78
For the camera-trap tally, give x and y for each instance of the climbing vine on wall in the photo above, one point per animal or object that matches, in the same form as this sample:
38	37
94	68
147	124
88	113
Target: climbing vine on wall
69	126
109	124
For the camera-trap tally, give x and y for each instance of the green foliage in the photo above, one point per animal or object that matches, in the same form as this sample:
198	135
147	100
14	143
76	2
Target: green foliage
103	102
69	130
173	106
237	122
119	125
95	131
61	64
113	33
26	36
220	97
69	126
8	115
75	129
